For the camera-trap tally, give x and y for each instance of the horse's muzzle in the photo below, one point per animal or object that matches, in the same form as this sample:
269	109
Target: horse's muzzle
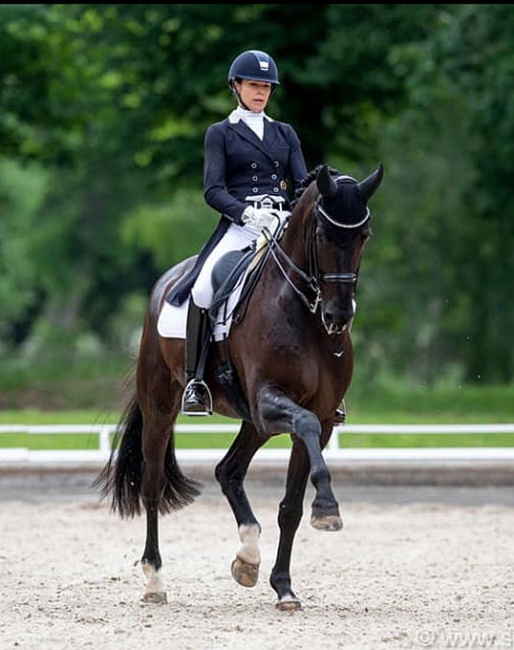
339	325
337	317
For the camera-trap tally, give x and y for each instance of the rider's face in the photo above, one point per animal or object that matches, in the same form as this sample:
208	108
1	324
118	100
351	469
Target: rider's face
254	94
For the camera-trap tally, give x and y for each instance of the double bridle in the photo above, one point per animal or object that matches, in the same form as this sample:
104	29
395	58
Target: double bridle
314	278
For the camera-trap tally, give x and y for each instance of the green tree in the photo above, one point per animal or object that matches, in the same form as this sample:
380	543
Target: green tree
476	53
21	192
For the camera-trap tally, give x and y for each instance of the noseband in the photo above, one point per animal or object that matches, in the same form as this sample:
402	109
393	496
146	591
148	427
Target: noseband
315	278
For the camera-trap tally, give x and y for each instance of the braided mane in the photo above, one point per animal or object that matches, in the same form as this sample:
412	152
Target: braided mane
304	184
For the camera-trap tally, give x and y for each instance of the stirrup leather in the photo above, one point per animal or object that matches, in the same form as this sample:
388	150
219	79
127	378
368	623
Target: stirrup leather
204	398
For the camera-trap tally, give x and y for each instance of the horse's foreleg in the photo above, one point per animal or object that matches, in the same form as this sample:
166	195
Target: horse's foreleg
289	517
230	473
279	413
325	509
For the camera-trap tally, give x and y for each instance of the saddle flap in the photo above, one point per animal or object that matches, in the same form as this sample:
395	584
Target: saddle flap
226	273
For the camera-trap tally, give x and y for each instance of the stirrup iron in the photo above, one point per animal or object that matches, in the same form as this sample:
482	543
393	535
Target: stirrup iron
205	398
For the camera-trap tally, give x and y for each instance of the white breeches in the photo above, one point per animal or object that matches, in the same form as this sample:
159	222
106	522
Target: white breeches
236	238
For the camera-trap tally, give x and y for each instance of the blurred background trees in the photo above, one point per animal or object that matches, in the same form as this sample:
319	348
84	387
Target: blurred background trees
103	113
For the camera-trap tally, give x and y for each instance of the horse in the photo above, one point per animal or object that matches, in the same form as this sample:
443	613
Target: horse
290	350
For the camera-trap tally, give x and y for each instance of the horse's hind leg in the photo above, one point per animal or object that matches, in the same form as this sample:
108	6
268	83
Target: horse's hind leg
156	434
164	487
154	449
230	473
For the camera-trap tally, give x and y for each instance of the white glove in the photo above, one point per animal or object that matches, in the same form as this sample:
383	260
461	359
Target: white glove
259	217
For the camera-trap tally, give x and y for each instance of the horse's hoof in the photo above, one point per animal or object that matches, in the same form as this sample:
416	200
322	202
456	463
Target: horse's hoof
331	522
157	597
289	605
244	573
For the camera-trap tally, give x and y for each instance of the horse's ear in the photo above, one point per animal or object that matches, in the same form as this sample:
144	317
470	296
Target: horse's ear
326	184
369	185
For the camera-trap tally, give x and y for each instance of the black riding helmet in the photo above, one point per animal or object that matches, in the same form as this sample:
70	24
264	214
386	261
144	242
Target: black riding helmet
255	66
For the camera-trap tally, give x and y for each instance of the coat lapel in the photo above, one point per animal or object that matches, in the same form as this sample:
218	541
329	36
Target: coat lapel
247	134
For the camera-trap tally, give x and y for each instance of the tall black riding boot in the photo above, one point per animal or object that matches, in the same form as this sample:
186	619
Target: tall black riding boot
197	399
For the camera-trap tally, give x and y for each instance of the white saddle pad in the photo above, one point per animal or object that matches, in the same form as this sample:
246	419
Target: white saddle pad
172	320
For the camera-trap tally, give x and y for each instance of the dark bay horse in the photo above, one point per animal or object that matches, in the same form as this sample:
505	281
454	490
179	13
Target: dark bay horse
291	352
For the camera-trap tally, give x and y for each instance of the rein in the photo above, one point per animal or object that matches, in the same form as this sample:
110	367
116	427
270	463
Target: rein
279	256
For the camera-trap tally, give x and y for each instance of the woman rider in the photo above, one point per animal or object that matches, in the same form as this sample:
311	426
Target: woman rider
249	158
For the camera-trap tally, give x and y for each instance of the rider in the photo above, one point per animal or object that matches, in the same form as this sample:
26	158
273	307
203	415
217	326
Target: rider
248	160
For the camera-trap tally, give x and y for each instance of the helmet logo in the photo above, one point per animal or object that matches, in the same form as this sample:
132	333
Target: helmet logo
264	65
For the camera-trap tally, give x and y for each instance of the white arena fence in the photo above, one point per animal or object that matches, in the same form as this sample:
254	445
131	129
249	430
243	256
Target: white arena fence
25	456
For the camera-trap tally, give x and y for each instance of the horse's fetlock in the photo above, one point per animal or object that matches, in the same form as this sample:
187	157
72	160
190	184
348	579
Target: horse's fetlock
280	581
249	552
249	533
325	508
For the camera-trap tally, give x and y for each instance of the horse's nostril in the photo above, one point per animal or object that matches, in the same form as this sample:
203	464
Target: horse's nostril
338	316
337	321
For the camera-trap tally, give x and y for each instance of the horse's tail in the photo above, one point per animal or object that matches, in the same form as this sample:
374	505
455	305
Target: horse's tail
122	476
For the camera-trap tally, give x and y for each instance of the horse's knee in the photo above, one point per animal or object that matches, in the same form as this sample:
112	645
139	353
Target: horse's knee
307	423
